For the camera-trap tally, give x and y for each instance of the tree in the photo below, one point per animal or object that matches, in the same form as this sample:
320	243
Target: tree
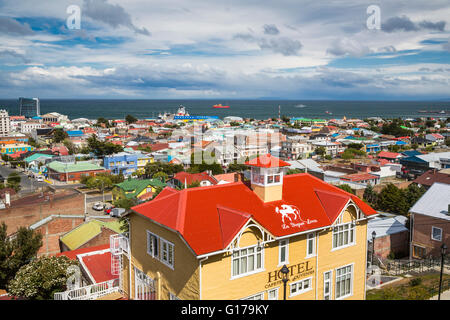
370	196
161	176
293	171
130	119
13	181
356	146
42	278
320	151
59	135
70	146
346	188
103	121
16	252
100	148
413	193
169	168
391	199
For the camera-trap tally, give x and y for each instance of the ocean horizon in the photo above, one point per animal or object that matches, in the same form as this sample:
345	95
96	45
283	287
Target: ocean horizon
257	109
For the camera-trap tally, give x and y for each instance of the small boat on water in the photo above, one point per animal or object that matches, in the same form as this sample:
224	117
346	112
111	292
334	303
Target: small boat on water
220	106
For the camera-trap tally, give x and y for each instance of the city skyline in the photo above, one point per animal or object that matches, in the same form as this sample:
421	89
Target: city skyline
212	50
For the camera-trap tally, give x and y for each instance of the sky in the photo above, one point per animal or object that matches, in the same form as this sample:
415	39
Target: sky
235	49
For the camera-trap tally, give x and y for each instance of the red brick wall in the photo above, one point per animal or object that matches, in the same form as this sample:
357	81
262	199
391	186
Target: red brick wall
74	176
25	215
397	243
51	232
422	226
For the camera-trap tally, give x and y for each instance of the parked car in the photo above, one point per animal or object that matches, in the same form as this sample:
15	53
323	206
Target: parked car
40	179
117	212
108	207
98	206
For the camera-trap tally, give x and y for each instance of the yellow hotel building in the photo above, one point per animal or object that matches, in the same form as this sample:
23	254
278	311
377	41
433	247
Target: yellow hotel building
230	241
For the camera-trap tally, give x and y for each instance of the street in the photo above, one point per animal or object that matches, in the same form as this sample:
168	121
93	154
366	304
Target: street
28	184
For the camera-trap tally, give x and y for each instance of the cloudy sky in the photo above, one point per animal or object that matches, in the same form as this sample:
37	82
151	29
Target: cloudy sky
208	49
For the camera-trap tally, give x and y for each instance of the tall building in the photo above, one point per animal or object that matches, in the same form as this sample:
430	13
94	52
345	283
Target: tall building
5	126
29	107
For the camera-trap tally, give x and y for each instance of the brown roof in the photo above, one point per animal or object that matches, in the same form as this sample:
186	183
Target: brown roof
431	176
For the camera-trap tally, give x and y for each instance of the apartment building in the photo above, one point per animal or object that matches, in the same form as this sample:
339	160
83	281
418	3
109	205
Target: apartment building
5	126
230	241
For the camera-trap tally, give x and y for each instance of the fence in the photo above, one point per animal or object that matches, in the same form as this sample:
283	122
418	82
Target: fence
434	290
90	292
399	267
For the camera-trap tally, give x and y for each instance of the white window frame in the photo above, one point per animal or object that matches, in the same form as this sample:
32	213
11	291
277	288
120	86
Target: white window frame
151	236
162	251
252	297
276	294
255	261
311	237
352	270
301	291
160	242
330	282
432	233
286	256
352	227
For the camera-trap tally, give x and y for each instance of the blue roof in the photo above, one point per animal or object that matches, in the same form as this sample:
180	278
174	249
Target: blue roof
36	117
410	153
412	159
400	143
75	133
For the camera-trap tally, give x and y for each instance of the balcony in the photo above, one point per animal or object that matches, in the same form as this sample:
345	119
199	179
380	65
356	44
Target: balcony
91	292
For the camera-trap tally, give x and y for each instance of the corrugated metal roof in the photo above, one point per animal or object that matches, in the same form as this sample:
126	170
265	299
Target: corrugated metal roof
434	202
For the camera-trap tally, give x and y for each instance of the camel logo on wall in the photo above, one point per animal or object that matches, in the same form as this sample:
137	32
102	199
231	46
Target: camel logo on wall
291	213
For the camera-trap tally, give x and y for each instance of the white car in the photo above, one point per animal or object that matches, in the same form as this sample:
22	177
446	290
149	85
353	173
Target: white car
98	206
40	179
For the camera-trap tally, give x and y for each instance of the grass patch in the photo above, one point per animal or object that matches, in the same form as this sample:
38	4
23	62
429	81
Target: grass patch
415	288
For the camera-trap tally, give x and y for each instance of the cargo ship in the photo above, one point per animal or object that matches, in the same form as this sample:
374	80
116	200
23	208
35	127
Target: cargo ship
220	106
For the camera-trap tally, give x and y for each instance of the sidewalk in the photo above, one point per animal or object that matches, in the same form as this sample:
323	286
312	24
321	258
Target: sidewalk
444	296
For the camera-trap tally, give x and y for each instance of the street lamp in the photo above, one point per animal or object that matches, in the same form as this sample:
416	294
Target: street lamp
285	271
373	248
443	251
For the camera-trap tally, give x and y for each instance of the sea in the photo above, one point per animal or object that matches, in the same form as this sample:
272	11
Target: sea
257	109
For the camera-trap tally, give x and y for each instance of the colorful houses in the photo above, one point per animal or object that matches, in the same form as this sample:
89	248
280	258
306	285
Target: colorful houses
73	172
230	241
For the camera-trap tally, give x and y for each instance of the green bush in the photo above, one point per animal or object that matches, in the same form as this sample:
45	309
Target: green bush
415	282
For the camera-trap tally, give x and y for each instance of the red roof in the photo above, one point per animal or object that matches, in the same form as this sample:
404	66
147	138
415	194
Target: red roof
189	178
207	218
99	266
73	254
96	259
388	155
267	161
359	177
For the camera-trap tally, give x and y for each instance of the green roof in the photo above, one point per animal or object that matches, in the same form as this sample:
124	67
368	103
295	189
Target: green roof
137	185
61	167
37	156
85	232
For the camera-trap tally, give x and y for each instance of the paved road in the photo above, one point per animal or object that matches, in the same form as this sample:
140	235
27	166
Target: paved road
27	184
444	296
